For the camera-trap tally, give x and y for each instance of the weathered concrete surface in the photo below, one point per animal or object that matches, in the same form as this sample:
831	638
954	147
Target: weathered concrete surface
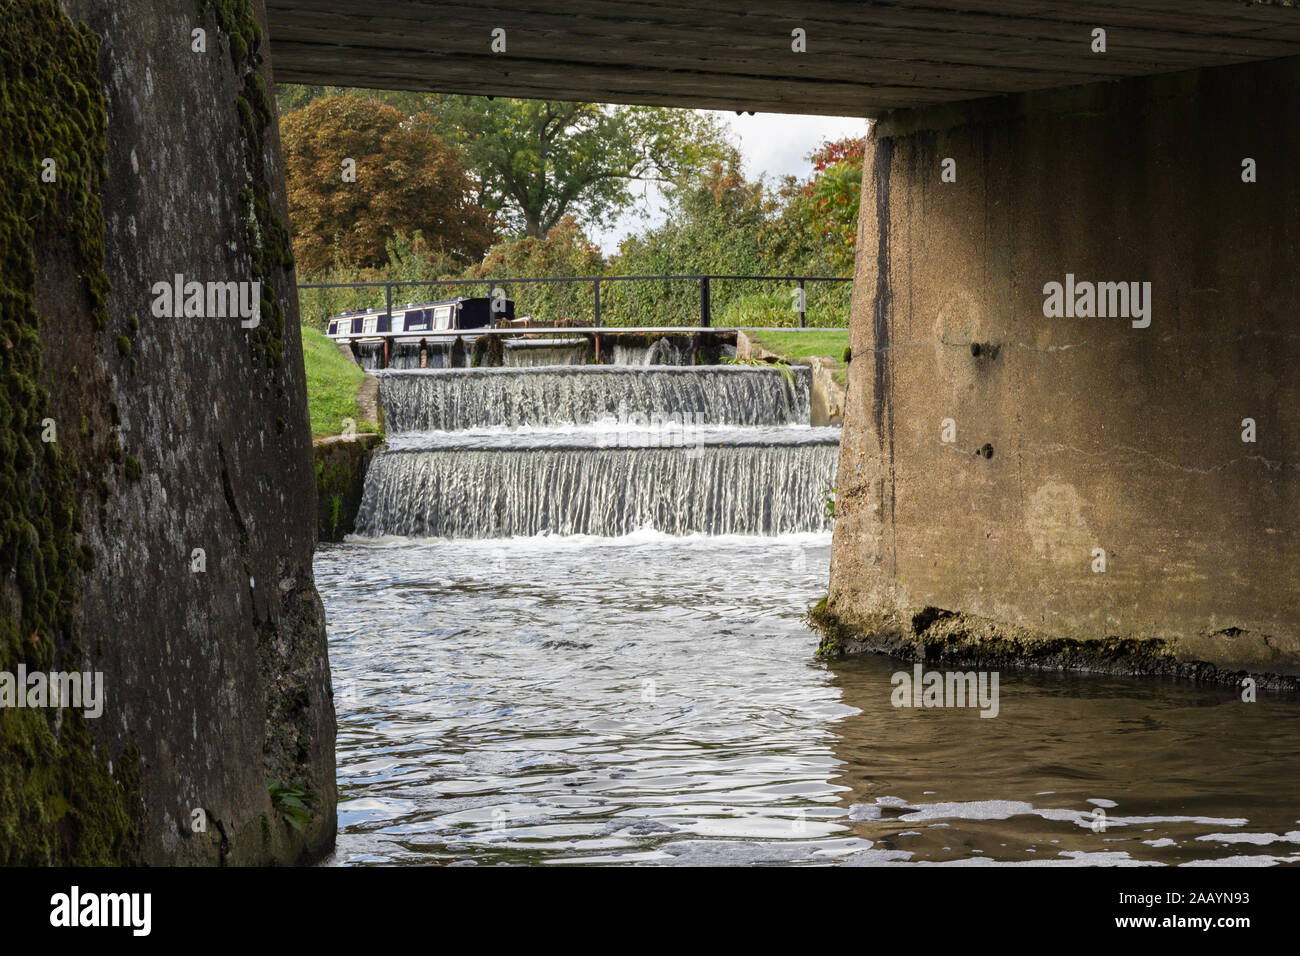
372	409
1102	435
215	669
827	394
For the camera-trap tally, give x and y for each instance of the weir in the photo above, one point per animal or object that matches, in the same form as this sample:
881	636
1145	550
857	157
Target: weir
759	486
601	450
455	399
665	351
543	352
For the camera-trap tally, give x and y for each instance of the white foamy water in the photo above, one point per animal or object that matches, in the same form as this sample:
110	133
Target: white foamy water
599	450
490	489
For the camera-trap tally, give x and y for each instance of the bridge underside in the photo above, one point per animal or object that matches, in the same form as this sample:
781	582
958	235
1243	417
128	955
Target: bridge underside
861	58
165	544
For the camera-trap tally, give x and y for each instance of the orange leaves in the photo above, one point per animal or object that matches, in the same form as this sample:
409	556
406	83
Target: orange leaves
407	179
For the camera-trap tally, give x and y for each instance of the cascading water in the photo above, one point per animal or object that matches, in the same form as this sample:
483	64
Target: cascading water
665	351
406	355
370	355
599	450
458	399
534	489
486	487
401	355
535	353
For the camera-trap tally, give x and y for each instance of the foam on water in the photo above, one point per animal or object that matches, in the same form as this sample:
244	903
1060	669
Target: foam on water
535	353
598	450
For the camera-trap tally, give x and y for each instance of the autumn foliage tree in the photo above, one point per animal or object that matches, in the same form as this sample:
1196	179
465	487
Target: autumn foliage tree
836	188
722	222
407	180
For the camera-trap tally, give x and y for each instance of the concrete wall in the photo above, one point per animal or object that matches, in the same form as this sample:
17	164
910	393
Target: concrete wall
179	434
1102	435
341	466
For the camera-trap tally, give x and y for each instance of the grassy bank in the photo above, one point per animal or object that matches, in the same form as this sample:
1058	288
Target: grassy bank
802	343
332	383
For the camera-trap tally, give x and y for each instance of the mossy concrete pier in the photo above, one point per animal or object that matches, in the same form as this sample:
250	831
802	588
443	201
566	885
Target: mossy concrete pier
159	516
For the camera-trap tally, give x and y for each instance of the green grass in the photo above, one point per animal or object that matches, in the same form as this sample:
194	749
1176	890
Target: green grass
332	383
802	343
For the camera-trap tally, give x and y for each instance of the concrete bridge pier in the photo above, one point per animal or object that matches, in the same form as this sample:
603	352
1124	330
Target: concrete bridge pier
1102	477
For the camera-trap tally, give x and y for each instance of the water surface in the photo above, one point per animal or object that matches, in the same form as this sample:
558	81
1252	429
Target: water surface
654	700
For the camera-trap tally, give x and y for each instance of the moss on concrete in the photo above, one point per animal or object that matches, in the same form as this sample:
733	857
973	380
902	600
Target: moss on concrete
268	238
936	636
340	480
59	802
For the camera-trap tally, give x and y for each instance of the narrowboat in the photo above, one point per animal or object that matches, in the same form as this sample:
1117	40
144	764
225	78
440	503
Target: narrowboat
419	319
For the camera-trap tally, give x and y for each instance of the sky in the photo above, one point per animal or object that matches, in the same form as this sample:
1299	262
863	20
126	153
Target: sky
775	144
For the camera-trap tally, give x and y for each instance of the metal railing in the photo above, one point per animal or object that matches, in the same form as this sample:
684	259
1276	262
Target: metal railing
705	285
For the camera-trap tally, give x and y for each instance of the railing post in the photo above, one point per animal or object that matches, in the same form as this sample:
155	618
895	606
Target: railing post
802	303
388	303
706	317
598	303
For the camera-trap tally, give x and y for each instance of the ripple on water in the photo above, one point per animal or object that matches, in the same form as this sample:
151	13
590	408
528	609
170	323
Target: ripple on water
654	700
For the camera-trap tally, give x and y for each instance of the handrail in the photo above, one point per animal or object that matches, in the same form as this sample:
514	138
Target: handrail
705	280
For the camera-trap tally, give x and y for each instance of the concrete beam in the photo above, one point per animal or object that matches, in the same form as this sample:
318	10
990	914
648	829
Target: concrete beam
861	59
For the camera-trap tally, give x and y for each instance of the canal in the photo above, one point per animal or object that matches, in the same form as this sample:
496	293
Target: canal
654	700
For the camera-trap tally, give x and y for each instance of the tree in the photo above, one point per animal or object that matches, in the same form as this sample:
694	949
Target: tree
407	180
715	224
291	96
564	251
721	222
539	161
836	190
